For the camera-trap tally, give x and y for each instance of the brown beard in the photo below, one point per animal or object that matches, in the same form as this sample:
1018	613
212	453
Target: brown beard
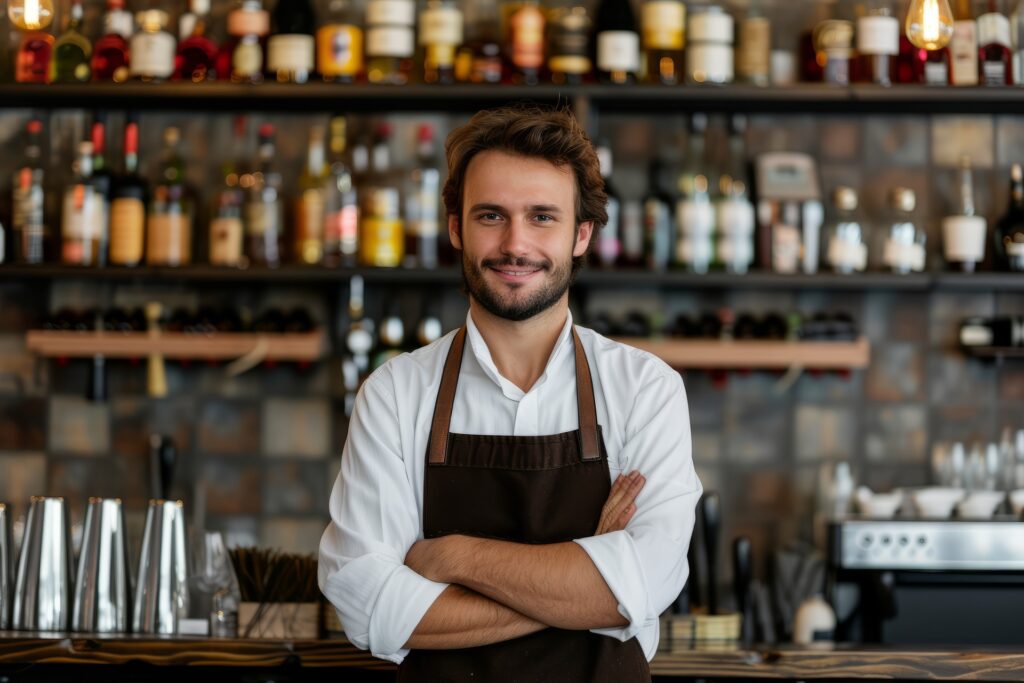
558	279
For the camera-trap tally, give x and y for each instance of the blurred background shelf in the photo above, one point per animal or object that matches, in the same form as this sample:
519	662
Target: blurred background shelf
826	355
305	346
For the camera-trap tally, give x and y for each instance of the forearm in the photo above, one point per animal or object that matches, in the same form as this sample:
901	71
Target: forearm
462	618
556	584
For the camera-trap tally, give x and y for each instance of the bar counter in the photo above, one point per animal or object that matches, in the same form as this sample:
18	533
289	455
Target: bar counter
28	656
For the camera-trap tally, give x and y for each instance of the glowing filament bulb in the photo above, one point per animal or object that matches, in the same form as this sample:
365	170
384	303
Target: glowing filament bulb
929	24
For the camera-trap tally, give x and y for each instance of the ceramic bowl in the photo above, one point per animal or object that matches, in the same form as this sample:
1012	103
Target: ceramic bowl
878	505
980	504
1017	502
937	503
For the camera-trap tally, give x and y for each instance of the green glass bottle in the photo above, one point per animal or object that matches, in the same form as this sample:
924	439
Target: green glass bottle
72	51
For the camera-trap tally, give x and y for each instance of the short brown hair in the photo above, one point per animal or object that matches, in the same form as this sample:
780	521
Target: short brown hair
552	134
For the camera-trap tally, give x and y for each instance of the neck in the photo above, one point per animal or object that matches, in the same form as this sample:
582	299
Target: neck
521	350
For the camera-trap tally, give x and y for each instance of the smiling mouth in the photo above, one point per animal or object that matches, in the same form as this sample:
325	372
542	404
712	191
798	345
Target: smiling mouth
515	272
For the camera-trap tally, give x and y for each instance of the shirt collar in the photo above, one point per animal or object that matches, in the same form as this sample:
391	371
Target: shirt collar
483	356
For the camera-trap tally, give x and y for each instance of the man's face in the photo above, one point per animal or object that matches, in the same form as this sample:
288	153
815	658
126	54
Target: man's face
518	234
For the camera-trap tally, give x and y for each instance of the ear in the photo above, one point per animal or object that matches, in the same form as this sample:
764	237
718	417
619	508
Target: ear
455	231
583	235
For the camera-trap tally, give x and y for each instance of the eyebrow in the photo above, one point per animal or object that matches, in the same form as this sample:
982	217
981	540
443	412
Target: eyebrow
546	208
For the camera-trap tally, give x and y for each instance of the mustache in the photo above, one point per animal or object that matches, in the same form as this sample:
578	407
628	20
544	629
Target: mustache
509	262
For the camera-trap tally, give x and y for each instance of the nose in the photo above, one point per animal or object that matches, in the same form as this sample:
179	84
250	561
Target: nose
515	241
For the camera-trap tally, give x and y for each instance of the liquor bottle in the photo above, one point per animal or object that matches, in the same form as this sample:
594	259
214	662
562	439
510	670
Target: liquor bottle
196	59
390	336
878	37
964	233
291	48
429	328
1009	232
359	332
28	226
80	220
309	207
339	43
909	64
608	249
1017	40
809	53
110	53
663	23
152	48
999	331
169	222
72	51
102	180
734	212
128	205
242	55
440	36
263	211
754	46
422	205
963	47
526	42
341	205
35	48
226	228
695	213
381	232
657	219
846	250
390	41
995	59
484	44
936	67
834	41
904	245
617	43
709	46
633	233
569	50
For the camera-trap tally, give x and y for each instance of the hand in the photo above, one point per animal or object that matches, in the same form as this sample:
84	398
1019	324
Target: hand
427	557
620	506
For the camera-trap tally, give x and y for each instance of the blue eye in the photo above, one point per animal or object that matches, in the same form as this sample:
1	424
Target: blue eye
547	218
489	216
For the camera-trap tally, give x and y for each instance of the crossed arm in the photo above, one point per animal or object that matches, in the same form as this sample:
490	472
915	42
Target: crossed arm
501	590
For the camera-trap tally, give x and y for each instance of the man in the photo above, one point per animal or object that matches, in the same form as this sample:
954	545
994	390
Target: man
476	532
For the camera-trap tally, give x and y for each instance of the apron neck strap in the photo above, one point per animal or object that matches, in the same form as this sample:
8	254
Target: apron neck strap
437	448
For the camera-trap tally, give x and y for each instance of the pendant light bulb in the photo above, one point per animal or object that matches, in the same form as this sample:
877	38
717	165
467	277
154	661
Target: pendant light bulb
929	24
30	15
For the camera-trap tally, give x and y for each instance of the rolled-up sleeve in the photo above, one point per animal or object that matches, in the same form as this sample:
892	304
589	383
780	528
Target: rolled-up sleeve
374	522
645	564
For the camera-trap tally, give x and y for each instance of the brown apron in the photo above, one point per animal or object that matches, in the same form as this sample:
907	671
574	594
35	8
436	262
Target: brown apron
526	489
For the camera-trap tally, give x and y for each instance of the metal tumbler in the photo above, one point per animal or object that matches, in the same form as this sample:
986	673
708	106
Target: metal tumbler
103	583
161	595
42	590
6	563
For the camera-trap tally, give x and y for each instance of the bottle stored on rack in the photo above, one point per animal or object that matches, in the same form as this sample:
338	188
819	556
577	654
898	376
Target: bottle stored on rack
617	42
995	58
608	249
709	45
341	205
263	211
308	246
440	35
390	335
878	42
484	42
35	45
82	215
128	205
657	219
734	212
196	58
242	55
569	48
381	233
833	40
846	250
754	46
422	204
227	229
28	224
291	48
110	53
359	334
663	26
169	223
390	41
72	51
963	48
1009	232
904	244
429	328
339	43
152	47
525	45
103	181
694	211
963	234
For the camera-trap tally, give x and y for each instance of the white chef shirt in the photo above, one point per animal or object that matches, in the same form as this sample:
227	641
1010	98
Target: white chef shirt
377	502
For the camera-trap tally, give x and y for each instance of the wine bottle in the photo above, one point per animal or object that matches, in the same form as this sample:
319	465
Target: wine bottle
609	246
28	225
291	48
423	211
128	205
617	42
309	208
263	211
664	30
964	233
1009	232
341	203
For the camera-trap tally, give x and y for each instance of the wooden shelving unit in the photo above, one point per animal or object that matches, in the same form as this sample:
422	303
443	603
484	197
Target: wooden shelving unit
307	346
685	353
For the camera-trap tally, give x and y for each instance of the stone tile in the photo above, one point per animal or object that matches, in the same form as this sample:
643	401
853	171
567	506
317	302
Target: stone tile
895	141
291	487
896	373
213	381
840	139
751	386
228	427
22	306
78	479
22	475
22	424
1009	303
896	433
296	427
825	433
78	426
883	478
755	431
292	380
954	136
828	387
238	531
810	302
706	445
1011	381
78	295
232	487
967	422
956	378
1010	415
1009	140
788	133
135	419
948	309
889	316
21	373
292	535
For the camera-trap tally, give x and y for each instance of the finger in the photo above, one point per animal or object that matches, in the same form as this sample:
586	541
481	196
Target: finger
615	498
621	482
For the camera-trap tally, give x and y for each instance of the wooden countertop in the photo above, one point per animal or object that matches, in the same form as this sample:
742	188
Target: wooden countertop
972	663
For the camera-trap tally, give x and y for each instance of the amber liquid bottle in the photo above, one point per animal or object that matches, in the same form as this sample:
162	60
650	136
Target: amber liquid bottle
662	23
526	43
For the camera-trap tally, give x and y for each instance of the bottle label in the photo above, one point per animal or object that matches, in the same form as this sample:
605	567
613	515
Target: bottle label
127	227
389	41
262	218
290	53
936	73
618	51
736	253
632	228
711	27
527	33
78	224
28	202
226	241
309	219
382	242
152	55
242	22
785	248
993	28
441	26
608	245
339	50
964	53
878	35
663	23
753	53
847	255
902	256
247	61
736	218
394	12
342	228
993	73
709	63
695	218
168	239
964	238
